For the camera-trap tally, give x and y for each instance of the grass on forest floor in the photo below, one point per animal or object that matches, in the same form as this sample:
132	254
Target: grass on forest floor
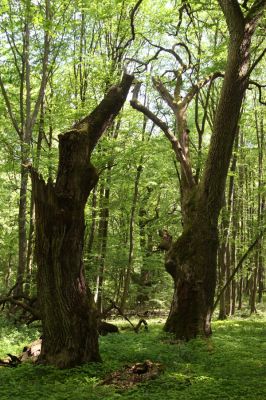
230	365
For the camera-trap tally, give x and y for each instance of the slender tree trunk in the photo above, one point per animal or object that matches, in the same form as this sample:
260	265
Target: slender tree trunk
224	252
93	223
261	201
222	272
261	275
28	116
131	237
253	286
67	308
104	224
240	293
25	152
22	224
29	261
235	213
242	220
103	237
144	281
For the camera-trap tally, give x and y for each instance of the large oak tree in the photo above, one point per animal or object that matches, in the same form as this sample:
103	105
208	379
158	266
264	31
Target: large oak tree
191	260
68	314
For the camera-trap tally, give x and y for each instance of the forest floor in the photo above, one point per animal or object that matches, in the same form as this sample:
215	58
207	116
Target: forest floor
229	365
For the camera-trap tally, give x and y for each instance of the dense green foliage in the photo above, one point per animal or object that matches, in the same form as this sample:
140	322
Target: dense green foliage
230	365
89	45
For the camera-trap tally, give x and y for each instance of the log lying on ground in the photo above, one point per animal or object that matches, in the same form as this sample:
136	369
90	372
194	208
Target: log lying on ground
136	328
105	327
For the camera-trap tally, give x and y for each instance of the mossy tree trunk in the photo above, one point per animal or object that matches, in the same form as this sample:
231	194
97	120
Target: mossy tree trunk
67	308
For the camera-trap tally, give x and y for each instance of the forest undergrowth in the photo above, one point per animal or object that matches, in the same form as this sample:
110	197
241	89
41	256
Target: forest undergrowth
229	365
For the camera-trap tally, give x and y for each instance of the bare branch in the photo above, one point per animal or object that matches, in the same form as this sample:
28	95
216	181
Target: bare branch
149	114
170	51
168	98
256	62
176	146
14	51
185	7
9	108
187	50
143	64
132	17
259	86
44	68
196	88
19	303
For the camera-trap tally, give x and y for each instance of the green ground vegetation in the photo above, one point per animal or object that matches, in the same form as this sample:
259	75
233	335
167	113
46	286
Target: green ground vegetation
229	365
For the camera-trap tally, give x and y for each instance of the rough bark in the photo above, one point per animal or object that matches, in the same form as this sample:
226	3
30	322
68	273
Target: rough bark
191	260
67	309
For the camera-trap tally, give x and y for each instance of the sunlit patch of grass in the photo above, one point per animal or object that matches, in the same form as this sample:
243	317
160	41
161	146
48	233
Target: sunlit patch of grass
231	365
14	338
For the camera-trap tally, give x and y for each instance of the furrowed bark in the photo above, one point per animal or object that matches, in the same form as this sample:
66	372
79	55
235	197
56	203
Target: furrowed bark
67	309
191	260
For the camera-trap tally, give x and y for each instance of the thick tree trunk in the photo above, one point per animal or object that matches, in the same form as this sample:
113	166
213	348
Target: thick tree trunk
191	260
68	312
68	316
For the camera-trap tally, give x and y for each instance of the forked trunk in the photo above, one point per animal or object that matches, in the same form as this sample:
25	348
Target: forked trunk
68	312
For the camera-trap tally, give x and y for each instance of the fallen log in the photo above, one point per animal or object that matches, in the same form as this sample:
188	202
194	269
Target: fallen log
105	327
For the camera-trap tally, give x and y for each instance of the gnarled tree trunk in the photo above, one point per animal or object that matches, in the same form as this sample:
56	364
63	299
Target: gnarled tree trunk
68	312
191	260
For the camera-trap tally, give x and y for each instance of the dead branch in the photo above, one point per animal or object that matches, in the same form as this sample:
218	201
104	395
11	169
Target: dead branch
22	301
256	62
176	145
120	312
132	26
170	51
260	87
